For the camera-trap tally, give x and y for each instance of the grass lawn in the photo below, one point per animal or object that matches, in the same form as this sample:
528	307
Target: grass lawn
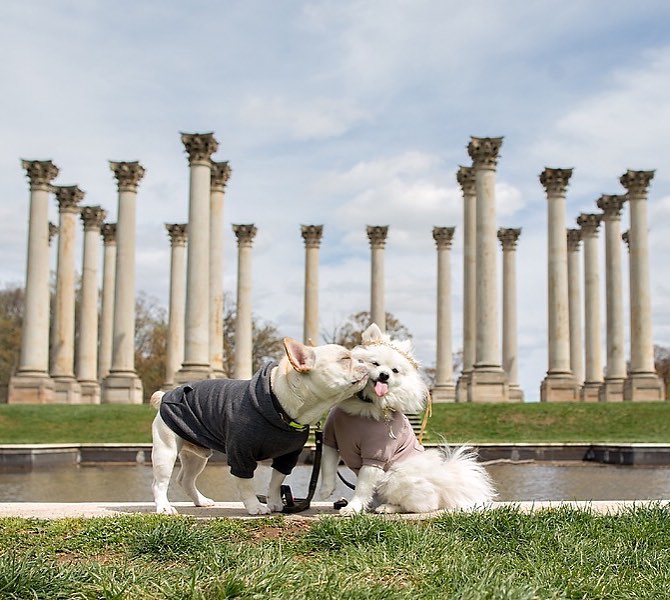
474	423
502	553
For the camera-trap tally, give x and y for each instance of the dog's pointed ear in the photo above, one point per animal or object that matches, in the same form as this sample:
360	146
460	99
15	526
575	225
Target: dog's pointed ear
301	357
372	333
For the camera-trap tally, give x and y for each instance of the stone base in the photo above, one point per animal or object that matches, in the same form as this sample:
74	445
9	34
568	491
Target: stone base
559	387
192	373
590	391
122	388
444	393
90	392
462	386
67	390
644	387
490	385
515	393
611	391
30	388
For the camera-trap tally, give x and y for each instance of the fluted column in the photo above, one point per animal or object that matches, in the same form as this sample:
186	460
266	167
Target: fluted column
615	370
466	179
175	340
244	324
510	351
377	237
642	383
122	385
87	349
593	371
221	172
574	239
32	383
489	381
196	365
311	234
559	384
108	232
444	389
66	387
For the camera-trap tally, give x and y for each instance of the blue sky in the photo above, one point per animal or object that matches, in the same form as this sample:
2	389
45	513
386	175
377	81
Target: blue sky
343	113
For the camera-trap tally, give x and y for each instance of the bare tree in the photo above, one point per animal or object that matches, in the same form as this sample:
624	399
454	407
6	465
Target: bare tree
349	332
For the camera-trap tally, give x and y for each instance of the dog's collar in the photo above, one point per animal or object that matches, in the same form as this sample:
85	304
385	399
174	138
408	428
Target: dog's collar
286	418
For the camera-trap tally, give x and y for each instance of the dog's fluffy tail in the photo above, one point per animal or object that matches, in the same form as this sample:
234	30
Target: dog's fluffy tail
448	477
156	398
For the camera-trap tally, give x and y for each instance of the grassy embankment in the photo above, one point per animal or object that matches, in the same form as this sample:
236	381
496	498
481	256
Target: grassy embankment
474	423
561	553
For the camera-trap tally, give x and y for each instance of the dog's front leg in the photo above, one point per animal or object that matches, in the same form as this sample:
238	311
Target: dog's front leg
368	479
247	491
275	503
329	460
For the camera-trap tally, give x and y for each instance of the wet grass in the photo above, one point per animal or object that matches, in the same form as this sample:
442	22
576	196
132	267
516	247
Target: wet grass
496	554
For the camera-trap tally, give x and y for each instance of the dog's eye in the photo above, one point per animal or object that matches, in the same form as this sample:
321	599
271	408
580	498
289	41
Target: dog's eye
375	363
395	371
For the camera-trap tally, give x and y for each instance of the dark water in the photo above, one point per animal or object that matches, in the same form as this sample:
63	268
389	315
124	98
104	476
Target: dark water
514	482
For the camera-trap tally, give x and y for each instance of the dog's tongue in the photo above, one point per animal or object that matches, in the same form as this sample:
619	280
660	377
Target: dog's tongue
381	389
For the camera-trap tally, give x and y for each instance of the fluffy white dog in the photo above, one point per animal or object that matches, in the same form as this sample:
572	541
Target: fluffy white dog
267	417
374	438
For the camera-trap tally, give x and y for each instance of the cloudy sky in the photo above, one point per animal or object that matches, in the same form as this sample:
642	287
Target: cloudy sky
344	113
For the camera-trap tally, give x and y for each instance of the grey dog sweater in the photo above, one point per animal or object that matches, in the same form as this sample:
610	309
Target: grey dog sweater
241	418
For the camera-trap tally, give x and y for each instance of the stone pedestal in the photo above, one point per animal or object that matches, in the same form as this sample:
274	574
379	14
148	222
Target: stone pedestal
108	232
311	234
175	340
244	323
377	236
32	383
444	389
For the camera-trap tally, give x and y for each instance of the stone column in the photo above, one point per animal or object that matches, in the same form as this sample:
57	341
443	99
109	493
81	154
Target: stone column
466	179
559	384
444	389
122	385
489	381
219	178
196	365
66	387
243	323
31	384
108	232
593	373
615	370
574	238
175	340
377	236
642	383
87	354
311	234
510	353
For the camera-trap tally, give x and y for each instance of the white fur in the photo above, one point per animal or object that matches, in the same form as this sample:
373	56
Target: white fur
307	382
445	478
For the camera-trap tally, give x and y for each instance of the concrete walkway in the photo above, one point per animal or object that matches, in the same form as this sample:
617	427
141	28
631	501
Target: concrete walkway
58	510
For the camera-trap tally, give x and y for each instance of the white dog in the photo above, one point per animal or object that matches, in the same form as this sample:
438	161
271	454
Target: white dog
249	420
375	439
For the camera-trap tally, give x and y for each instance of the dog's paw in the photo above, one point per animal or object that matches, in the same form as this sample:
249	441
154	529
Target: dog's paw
325	492
351	509
204	501
256	508
275	504
165	509
388	509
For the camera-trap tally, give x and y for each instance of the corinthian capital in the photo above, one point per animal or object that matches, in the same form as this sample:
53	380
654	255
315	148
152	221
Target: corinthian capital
611	205
555	181
636	182
68	197
589	223
128	175
466	179
508	238
221	172
178	233
40	173
108	233
377	235
245	234
199	147
484	151
312	235
92	217
574	238
443	237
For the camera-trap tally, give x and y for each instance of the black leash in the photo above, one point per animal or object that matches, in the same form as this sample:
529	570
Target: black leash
296	505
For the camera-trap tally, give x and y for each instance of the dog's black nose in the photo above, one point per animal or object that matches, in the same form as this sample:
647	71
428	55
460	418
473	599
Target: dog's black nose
383	377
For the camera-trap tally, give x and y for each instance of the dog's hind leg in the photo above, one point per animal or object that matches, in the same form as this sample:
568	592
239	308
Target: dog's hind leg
163	456
192	464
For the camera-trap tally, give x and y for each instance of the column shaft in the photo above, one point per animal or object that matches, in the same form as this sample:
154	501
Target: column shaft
244	323
175	341
312	236
377	237
574	238
108	232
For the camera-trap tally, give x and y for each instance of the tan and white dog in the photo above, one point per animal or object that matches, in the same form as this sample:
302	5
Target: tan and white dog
267	417
374	438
